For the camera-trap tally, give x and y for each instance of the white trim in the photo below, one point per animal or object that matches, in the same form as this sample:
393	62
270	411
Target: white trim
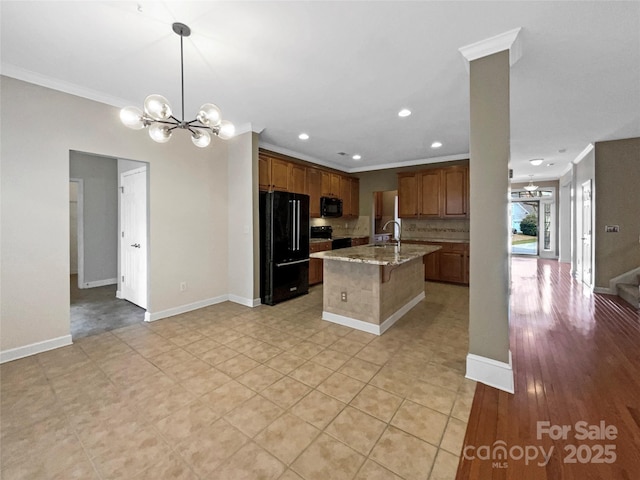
491	372
605	290
29	76
247	302
35	348
301	156
80	228
100	283
505	41
372	327
170	312
627	277
410	163
119	294
583	154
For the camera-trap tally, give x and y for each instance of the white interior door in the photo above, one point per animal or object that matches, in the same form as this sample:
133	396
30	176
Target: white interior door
133	238
586	233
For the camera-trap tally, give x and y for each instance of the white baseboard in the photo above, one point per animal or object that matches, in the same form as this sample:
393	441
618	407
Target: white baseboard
491	372
100	283
152	317
372	327
119	294
247	302
604	290
34	348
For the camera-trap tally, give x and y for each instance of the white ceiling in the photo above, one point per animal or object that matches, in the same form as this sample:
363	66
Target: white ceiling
340	71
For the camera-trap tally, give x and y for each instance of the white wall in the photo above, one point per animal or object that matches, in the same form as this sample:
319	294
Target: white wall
583	171
240	228
564	218
100	216
188	207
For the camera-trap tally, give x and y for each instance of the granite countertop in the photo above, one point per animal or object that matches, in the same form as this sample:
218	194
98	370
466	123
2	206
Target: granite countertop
387	255
439	240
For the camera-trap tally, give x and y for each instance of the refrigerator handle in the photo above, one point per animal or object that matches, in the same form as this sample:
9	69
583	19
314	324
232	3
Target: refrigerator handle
292	208
299	225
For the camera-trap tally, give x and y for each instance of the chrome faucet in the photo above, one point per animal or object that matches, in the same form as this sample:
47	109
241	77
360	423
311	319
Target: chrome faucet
384	228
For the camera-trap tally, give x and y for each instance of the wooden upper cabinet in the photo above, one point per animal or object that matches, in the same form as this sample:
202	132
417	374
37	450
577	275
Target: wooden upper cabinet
264	174
297	178
436	192
335	185
355	197
345	196
454	191
429	197
377	196
407	195
314	190
326	184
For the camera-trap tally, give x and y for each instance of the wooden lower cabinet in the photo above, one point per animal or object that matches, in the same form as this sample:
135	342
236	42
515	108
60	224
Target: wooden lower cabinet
316	264
449	264
358	241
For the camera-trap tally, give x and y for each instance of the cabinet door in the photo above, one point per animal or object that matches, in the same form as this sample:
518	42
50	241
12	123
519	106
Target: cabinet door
279	174
429	191
315	270
378	204
314	190
355	197
264	174
466	266
297	178
454	190
345	195
326	184
452	266
407	196
335	185
432	266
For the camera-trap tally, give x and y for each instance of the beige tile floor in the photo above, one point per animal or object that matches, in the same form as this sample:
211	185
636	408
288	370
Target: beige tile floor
228	392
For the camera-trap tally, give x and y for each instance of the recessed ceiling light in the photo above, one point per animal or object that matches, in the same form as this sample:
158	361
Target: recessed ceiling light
536	161
436	144
303	136
405	112
357	157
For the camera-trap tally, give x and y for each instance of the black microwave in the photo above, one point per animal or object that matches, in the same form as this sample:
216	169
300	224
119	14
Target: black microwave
330	207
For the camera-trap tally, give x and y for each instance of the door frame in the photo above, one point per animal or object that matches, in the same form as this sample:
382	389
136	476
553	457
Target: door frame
588	183
144	168
80	229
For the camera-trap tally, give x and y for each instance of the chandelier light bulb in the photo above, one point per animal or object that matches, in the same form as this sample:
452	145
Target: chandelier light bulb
209	115
159	118
157	107
201	138
227	130
159	133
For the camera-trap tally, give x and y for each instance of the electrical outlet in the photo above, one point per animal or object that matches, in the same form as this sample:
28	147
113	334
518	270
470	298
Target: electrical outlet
183	286
343	296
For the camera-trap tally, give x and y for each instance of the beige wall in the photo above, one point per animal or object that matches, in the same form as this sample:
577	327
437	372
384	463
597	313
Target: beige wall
489	233
188	208
617	184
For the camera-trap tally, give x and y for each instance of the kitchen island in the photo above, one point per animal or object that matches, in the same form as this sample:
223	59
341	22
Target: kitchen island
371	287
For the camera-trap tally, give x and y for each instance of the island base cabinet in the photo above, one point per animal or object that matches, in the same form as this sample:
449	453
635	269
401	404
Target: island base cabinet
315	271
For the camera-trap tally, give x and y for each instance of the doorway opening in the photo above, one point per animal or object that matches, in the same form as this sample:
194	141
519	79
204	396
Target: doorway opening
524	227
95	251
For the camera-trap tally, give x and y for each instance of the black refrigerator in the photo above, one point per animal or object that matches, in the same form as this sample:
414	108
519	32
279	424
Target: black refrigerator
284	246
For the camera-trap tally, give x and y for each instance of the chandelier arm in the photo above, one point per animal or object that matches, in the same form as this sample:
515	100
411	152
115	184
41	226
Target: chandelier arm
166	122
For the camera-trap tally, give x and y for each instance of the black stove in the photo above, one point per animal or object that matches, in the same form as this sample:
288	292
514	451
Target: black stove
325	231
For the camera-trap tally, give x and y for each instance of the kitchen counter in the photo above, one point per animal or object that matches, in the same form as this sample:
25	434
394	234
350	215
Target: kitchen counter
388	255
369	287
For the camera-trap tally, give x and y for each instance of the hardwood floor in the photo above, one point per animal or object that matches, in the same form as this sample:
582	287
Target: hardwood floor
576	357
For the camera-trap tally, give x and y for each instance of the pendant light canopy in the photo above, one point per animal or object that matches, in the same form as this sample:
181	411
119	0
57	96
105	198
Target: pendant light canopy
159	119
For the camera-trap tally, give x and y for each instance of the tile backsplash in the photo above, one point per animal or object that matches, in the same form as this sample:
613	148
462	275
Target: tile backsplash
450	229
428	229
353	227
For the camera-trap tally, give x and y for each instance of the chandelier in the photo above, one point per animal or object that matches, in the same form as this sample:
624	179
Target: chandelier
158	117
531	187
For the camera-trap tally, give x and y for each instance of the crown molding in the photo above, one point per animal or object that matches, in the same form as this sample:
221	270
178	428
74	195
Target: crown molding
510	40
29	76
302	156
410	163
583	154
